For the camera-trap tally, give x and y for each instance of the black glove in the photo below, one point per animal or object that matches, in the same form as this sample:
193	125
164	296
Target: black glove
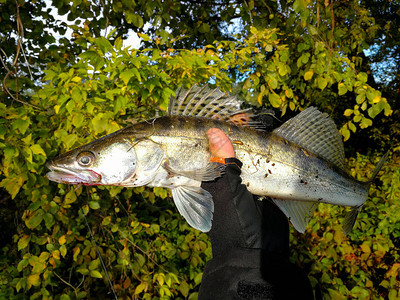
250	246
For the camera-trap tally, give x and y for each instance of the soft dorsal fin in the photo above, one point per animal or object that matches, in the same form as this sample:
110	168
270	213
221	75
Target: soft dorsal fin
315	132
209	103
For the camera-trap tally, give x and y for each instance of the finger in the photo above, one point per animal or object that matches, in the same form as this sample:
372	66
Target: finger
220	144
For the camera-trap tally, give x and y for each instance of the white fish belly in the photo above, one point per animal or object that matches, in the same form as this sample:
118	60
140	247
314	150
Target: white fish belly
288	181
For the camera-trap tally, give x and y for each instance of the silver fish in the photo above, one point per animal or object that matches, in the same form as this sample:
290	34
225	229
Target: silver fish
298	165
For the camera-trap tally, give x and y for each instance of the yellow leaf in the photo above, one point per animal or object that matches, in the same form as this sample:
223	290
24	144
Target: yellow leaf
56	254
57	108
160	279
365	248
76	79
348	112
338	236
140	288
394	271
308	75
377	99
62	239
33	279
76	252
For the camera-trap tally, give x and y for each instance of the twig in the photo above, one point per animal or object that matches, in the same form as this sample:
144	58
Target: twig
99	255
67	283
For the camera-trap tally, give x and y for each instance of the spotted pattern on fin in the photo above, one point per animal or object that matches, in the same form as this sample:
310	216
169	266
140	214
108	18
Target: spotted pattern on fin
210	103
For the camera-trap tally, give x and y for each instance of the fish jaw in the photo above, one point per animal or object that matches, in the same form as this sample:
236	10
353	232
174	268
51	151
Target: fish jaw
69	176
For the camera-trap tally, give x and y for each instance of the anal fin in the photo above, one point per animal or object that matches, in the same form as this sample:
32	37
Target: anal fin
195	205
350	219
298	212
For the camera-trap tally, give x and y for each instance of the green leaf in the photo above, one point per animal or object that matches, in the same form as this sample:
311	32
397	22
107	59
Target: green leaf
322	82
64	297
83	271
34	219
106	221
274	99
204	27
21	125
198	278
352	127
12	185
375	109
78	119
38	150
345	132
94	205
95	274
23	242
283	69
63	250
299	5
365	122
134	19
313	30
104	44
127	75
81	295
94	264
184	288
70	197
273	83
360	98
362	76
342	89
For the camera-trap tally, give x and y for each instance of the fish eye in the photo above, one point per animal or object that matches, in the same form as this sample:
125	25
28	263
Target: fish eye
85	158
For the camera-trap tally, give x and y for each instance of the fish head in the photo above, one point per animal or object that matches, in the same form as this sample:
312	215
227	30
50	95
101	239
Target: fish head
101	162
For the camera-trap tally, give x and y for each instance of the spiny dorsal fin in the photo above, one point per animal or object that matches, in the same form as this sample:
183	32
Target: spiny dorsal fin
209	103
316	132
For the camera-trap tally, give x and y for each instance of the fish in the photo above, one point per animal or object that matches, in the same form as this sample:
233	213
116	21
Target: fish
298	165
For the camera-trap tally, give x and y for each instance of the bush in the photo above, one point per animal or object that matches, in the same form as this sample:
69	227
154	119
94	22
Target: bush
148	249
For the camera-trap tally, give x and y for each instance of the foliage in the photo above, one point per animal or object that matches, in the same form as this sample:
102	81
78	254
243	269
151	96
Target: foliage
298	54
363	265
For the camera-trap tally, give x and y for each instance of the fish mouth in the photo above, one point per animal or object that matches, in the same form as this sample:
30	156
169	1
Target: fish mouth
69	176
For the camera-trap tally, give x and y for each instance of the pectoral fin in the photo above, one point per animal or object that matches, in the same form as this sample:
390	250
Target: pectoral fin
298	212
195	205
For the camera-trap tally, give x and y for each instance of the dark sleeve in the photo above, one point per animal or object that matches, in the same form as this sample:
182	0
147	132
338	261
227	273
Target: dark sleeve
240	220
250	245
236	219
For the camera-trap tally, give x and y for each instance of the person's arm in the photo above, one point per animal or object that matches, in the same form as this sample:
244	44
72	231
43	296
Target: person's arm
246	235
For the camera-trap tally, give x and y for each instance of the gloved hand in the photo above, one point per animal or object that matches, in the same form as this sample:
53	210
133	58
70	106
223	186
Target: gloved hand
249	238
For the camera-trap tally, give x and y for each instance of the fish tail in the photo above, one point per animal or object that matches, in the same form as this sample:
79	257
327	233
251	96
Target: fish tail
351	216
378	167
